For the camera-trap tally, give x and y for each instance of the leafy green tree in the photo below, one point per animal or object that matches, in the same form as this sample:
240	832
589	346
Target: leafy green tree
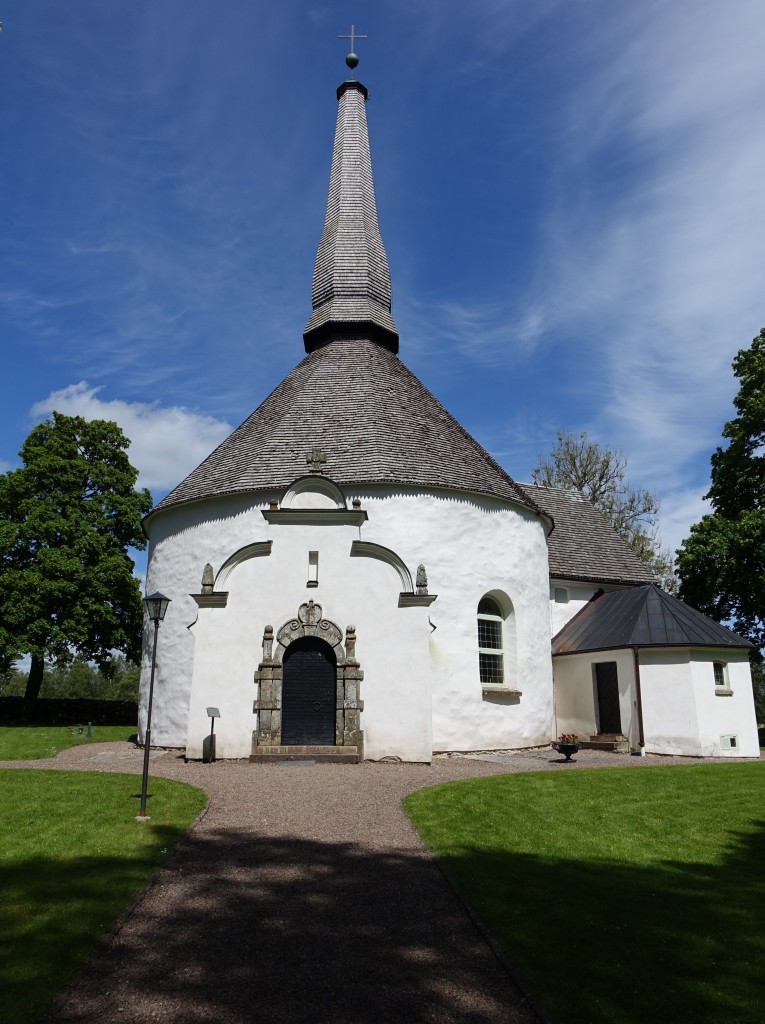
67	518
115	680
758	684
12	683
599	473
722	562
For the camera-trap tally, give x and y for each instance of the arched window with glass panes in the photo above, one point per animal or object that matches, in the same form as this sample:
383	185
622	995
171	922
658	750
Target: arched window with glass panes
491	646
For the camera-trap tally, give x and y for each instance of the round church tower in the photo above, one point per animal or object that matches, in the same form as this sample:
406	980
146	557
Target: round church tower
352	575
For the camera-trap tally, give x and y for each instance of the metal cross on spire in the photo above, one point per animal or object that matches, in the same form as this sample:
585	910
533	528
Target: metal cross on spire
352	59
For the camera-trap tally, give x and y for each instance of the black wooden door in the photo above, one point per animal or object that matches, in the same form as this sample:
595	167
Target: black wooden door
609	716
308	694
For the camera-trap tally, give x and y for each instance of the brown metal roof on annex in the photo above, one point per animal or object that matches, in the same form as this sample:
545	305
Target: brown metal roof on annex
641	617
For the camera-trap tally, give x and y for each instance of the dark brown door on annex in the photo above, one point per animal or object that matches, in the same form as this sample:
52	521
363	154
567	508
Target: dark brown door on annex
609	716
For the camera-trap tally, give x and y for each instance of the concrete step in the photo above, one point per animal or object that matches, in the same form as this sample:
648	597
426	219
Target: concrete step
606	741
328	755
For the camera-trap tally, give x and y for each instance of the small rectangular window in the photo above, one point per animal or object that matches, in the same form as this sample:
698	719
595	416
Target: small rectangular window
313	569
719	671
561	595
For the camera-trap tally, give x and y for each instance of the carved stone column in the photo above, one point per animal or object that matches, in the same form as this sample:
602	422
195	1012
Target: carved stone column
350	705
269	701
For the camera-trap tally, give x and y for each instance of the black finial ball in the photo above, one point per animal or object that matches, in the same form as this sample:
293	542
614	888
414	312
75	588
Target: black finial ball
352	60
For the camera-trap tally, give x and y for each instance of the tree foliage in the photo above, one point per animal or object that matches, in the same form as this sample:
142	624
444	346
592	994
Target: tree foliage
599	473
722	562
115	680
67	518
758	685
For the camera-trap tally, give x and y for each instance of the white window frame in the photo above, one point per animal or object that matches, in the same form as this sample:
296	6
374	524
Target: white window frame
722	685
498	652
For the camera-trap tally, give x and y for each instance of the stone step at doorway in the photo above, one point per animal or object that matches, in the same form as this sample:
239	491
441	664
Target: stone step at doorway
607	741
313	752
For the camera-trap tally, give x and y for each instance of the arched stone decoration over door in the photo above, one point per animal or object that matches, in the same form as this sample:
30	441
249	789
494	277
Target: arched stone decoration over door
305	640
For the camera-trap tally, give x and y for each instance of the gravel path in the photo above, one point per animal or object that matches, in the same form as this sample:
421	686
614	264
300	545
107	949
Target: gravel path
303	895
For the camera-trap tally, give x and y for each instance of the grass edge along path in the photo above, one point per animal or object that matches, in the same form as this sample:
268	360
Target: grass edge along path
72	859
620	895
36	742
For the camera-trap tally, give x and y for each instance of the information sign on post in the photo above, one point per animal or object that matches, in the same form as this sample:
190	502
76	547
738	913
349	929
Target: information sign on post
208	747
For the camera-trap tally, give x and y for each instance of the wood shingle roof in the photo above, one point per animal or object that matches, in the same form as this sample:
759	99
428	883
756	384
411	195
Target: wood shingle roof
371	417
351	279
584	546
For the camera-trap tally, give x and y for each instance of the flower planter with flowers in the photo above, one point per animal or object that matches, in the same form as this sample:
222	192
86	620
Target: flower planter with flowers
567	744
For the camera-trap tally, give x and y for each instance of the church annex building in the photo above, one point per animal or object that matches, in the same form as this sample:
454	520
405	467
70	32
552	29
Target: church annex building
352	576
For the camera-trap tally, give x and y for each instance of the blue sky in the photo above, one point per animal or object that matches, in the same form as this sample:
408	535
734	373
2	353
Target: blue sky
570	194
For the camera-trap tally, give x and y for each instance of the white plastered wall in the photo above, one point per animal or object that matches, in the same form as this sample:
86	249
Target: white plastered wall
470	546
670	720
487	548
578	594
561	612
391	641
181	541
683	713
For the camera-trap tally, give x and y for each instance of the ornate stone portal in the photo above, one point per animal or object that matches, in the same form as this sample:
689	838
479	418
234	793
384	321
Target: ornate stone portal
349	738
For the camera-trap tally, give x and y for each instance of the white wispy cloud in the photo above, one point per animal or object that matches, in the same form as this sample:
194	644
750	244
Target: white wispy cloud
571	193
166	442
652	241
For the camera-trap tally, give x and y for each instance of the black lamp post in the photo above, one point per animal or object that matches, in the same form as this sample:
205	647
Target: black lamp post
156	606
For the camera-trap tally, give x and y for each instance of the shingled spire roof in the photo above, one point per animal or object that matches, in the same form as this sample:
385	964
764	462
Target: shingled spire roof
351	397
351	279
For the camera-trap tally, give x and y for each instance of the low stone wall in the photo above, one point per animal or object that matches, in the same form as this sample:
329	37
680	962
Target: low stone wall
60	711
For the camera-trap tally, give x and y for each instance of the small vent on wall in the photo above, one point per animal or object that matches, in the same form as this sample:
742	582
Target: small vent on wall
729	742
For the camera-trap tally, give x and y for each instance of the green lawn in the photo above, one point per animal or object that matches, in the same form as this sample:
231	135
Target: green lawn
72	857
32	742
628	895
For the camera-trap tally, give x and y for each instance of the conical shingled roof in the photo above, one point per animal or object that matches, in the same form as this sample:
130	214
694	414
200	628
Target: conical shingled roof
641	617
372	418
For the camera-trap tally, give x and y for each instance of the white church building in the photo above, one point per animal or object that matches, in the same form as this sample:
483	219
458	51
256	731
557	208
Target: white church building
352	576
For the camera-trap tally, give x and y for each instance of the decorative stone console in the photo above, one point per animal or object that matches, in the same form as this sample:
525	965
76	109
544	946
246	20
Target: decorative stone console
349	737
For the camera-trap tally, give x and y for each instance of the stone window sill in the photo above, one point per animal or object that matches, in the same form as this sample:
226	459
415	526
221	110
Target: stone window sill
723	691
500	688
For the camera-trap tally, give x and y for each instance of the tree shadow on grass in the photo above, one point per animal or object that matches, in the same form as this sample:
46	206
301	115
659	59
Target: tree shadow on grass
613	942
53	911
242	929
239	929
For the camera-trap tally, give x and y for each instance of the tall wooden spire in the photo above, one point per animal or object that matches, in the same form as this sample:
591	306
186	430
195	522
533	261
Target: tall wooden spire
351	280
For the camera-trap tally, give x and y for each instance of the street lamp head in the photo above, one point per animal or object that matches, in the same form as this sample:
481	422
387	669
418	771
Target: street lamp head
156	606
